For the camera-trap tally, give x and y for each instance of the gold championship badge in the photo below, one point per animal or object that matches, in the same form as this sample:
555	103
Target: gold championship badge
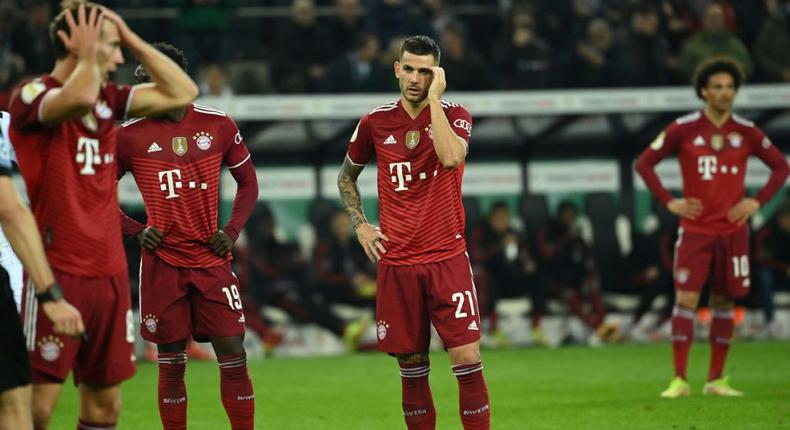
717	142
180	145
412	139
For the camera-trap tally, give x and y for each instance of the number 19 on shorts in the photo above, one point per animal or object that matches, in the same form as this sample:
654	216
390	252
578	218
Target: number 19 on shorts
234	299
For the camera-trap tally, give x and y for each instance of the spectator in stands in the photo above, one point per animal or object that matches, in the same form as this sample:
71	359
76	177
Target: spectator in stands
348	21
714	39
394	18
465	69
523	59
11	64
770	49
341	271
570	269
642	52
358	70
436	15
772	255
275	272
500	251
593	65
203	29
300	51
214	81
31	40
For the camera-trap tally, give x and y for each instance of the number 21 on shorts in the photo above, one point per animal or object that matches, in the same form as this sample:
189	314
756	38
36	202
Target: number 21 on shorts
234	299
459	297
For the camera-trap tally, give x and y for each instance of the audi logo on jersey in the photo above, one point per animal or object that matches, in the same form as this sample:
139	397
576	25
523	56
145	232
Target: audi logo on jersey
464	124
170	181
88	155
402	174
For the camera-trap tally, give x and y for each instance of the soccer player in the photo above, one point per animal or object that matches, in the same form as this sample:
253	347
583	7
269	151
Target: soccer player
712	147
21	231
187	286
424	275
64	135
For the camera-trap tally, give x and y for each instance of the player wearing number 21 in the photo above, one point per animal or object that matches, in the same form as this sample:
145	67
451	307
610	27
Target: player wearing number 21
712	147
424	276
187	286
63	131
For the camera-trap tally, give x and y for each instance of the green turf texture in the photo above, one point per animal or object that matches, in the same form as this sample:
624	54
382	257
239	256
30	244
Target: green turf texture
614	387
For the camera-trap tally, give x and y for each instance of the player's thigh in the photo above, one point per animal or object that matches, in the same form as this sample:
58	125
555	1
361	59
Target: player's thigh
732	268
694	255
107	356
14	361
100	403
452	301
165	314
15	408
217	309
402	322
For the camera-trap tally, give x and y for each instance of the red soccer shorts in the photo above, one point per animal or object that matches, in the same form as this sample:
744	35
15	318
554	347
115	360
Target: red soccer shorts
106	355
724	257
411	297
176	302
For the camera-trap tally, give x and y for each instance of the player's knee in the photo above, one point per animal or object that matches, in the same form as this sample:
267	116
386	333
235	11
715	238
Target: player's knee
687	300
102	406
179	346
465	356
42	414
418	358
720	302
228	345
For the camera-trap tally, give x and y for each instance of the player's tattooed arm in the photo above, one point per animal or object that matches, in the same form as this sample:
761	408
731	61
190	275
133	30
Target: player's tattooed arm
349	192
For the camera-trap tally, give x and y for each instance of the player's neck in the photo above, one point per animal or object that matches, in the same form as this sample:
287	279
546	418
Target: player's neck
174	115
413	109
717	117
63	69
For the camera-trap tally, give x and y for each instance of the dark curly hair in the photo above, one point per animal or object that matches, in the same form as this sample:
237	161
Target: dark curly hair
175	54
713	66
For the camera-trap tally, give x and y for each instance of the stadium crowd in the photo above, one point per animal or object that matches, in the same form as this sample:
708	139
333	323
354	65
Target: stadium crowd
343	46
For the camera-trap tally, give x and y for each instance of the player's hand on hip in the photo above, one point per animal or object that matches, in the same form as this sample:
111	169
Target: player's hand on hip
438	84
689	208
741	212
220	243
84	33
66	319
150	238
371	238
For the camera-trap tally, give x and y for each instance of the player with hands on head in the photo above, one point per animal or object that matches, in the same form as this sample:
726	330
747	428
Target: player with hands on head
64	135
712	147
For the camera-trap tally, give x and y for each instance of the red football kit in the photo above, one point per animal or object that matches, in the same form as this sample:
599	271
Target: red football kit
425	274
69	170
177	166
713	166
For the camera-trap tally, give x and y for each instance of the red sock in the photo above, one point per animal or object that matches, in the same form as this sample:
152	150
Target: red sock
721	329
236	391
475	409
418	410
682	337
85	425
172	392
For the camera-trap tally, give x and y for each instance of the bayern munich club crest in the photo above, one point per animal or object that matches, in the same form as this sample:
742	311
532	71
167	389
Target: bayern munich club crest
150	322
381	329
203	140
50	347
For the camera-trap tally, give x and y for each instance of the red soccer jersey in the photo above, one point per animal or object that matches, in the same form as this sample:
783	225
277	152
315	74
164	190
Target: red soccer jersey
419	200
713	166
177	166
70	173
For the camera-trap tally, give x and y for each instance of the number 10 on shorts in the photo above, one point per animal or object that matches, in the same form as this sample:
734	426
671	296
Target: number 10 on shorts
459	297
234	299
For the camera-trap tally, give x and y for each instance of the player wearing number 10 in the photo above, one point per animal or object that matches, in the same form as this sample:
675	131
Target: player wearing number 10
424	276
187	286
63	131
712	147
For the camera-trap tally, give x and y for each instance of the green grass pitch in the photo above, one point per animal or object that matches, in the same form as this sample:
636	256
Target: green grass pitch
609	388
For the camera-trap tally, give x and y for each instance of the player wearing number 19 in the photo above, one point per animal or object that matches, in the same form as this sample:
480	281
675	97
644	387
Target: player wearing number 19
187	286
424	276
712	147
63	131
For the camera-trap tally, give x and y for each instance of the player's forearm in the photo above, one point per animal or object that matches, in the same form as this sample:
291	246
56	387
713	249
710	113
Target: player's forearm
21	230
645	166
779	172
168	77
450	149
77	96
244	202
349	193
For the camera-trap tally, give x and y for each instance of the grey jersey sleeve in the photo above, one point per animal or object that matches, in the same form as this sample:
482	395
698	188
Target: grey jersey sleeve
7	155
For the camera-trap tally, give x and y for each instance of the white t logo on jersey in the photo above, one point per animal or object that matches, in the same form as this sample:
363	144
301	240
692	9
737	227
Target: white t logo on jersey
400	175
706	166
172	180
88	155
